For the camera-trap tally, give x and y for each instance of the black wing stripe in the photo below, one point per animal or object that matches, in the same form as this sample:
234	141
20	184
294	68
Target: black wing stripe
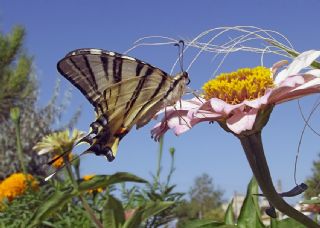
105	62
117	69
99	108
163	80
139	67
172	87
105	99
117	74
93	78
84	89
138	89
72	80
85	76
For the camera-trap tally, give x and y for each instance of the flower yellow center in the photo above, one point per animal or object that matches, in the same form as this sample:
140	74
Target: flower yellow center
243	84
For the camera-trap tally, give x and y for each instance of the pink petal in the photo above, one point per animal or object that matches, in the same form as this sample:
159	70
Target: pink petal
179	124
258	102
285	87
242	121
158	130
275	67
293	88
183	105
220	106
301	61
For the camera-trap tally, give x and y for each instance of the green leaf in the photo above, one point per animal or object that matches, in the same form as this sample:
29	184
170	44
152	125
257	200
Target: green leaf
113	213
285	223
135	220
250	211
146	211
229	216
54	203
103	181
205	223
311	201
153	208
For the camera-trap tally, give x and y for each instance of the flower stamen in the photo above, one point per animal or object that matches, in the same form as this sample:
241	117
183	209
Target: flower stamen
243	84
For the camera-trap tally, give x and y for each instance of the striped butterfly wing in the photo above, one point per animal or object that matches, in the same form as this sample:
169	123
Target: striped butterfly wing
92	71
127	102
124	91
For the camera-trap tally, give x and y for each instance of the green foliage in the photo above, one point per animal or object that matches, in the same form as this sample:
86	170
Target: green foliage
162	194
113	213
146	211
61	197
313	181
250	215
18	88
18	212
229	215
16	81
204	196
103	181
205	202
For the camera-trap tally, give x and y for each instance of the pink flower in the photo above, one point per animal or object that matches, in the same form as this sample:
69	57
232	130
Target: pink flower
242	101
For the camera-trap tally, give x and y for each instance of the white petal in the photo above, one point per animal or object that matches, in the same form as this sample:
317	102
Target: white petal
45	150
311	83
315	72
301	61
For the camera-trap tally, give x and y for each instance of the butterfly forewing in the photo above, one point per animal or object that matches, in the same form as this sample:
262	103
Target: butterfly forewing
124	91
92	71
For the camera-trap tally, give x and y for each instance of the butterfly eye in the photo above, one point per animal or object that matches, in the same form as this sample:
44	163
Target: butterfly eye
188	81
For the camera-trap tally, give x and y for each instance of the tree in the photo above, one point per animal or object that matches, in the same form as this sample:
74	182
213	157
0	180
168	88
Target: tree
204	195
16	82
205	201
313	181
18	88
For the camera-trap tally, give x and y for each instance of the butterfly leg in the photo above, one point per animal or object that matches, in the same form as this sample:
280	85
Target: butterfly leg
181	118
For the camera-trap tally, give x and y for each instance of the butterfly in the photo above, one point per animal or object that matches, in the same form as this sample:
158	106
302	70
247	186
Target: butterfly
124	92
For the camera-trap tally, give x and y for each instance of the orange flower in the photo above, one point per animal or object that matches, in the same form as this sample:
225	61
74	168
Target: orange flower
16	184
88	177
59	162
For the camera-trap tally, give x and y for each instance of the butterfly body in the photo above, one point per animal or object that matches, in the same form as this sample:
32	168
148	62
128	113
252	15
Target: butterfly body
123	90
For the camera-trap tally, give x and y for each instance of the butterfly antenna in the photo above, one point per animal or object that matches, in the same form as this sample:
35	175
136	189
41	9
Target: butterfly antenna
180	46
181	42
64	165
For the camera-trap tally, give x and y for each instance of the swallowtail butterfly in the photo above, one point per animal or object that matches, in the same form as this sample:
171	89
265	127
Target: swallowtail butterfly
124	92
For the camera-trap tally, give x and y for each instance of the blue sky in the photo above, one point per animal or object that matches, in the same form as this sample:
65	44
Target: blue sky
57	27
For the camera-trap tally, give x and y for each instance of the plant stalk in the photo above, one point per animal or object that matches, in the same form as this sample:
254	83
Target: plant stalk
19	146
253	147
159	161
86	206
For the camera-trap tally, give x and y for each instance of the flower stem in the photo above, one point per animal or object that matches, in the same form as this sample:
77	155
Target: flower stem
19	147
253	147
86	206
159	161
